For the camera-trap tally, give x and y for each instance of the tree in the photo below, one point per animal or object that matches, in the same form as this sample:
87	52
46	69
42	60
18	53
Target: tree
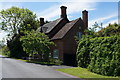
13	18
37	43
16	21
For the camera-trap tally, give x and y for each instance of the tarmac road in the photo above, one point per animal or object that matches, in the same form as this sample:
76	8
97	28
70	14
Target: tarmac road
12	68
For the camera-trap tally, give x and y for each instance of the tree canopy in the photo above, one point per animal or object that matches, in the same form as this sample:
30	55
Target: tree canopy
12	19
36	43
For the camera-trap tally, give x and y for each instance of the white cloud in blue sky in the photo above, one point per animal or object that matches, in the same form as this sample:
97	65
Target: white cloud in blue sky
101	12
72	7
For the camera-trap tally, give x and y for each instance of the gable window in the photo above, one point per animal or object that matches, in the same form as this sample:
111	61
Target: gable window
79	35
56	53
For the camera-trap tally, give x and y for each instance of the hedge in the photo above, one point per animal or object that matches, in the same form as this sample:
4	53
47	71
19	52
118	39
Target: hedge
100	55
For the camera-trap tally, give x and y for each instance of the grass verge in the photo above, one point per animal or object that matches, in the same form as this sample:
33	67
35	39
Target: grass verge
83	73
33	61
38	62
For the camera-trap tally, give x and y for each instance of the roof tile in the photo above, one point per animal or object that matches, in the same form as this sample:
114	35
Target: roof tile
65	29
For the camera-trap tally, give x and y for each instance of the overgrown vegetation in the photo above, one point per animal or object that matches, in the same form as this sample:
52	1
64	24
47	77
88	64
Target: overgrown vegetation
100	55
23	41
37	44
100	51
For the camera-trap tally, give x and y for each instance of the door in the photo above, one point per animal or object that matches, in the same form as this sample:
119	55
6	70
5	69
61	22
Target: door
69	59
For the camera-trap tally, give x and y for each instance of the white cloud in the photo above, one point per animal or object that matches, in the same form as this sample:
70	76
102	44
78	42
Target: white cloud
50	12
102	19
8	5
72	7
110	22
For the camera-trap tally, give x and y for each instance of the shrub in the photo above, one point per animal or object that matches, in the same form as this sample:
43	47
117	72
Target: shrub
100	55
83	53
56	61
37	43
5	51
15	47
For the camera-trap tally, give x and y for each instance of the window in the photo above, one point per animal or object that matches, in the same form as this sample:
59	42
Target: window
56	53
79	35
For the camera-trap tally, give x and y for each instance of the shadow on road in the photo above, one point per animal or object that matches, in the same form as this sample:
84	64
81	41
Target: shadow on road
4	57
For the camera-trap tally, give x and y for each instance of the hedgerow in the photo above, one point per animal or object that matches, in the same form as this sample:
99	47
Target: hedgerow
100	55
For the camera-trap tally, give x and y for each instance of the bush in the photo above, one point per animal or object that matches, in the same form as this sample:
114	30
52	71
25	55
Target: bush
15	47
5	51
111	29
83	53
100	55
56	61
37	43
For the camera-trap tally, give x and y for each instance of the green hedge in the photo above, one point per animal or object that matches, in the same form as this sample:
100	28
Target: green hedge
100	55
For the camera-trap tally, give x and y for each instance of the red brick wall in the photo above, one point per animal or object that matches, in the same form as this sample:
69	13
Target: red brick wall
58	45
70	45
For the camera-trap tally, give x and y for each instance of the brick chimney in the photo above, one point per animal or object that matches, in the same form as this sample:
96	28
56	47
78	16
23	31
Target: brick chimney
63	12
41	21
85	18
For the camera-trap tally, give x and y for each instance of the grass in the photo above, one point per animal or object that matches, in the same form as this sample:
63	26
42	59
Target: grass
83	73
39	62
33	61
78	71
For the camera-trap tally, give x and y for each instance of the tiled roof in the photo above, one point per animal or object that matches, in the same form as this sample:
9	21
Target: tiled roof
46	28
65	29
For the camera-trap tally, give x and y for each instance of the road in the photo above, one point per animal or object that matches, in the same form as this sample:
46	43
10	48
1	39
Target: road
0	67
12	68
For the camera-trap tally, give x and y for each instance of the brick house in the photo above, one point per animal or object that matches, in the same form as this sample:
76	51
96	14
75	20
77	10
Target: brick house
62	32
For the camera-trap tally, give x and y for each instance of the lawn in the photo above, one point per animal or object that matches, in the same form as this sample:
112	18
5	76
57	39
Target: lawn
37	62
83	73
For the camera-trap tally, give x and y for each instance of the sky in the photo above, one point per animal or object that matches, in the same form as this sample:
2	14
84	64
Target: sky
100	12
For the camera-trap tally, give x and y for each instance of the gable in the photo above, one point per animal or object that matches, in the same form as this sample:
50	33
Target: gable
46	28
67	28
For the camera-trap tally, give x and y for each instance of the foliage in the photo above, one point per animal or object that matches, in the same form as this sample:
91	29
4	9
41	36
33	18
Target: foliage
83	52
28	25
13	17
16	21
99	51
5	51
96	27
100	55
15	47
36	43
56	61
111	29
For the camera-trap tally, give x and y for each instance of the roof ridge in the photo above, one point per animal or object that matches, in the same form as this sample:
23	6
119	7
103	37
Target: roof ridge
65	29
